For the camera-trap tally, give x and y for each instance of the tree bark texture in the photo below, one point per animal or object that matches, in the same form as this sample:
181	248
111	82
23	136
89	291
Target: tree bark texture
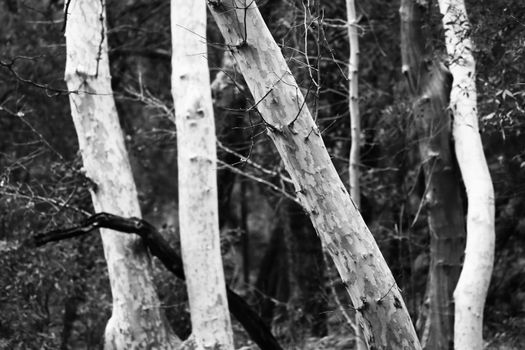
429	85
369	282
474	280
169	257
353	104
136	321
197	159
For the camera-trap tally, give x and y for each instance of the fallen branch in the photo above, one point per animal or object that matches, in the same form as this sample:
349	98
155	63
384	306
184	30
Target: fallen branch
158	246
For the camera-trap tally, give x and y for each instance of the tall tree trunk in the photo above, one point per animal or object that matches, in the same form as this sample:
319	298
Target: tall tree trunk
429	86
353	104
471	291
355	129
245	238
197	159
229	106
273	280
71	306
290	125
136	321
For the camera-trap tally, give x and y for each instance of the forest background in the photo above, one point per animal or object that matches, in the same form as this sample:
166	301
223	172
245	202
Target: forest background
59	297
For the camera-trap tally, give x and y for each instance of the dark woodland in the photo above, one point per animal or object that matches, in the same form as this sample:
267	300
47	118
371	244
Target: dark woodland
284	291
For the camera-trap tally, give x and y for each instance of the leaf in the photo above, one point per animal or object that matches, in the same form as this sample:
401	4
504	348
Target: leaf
489	116
507	93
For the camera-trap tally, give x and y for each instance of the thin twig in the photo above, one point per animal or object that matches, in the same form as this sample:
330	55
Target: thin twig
259	180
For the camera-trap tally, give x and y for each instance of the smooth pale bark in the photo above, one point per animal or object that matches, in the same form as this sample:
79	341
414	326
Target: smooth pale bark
429	86
362	268
353	104
197	158
136	321
355	128
471	291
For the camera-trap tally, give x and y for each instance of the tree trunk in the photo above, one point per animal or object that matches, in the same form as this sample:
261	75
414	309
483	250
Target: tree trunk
471	291
197	159
273	282
306	305
355	128
429	86
229	110
136	321
290	125
168	256
245	238
353	104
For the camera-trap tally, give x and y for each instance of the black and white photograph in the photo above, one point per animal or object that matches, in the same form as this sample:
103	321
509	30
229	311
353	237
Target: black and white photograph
262	175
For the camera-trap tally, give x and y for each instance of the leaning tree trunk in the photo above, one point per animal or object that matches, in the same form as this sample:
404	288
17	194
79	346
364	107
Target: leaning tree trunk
429	86
136	321
471	291
197	159
290	125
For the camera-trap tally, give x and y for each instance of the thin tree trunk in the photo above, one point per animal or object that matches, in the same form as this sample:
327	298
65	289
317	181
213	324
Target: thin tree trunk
305	258
429	85
471	291
273	280
245	238
290	125
355	130
229	110
136	321
70	314
353	104
197	158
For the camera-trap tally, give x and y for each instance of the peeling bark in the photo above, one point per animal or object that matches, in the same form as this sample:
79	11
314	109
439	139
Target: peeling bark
197	159
429	85
136	321
471	291
363	270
